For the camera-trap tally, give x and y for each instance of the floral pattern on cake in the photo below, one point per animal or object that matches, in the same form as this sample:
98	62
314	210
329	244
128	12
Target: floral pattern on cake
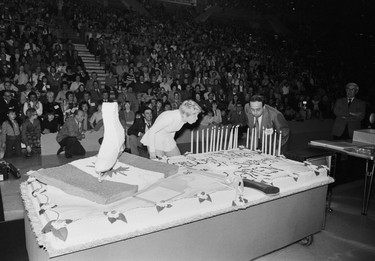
44	207
203	196
58	227
239	201
114	215
162	205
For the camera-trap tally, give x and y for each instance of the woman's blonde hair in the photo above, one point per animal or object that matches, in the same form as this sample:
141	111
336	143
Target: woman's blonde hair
190	107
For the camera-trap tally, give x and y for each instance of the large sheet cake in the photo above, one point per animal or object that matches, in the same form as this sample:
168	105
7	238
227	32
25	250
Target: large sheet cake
65	222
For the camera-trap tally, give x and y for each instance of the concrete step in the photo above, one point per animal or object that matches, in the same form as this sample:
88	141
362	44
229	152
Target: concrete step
80	45
81	50
87	56
85	52
94	67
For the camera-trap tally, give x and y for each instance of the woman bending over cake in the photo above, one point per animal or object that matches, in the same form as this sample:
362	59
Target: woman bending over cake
159	139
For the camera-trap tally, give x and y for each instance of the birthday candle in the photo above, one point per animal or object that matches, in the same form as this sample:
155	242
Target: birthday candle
215	138
230	139
236	140
211	138
218	139
274	143
207	139
221	138
270	144
191	140
252	139
279	149
266	142
247	138
226	138
202	141
263	140
197	142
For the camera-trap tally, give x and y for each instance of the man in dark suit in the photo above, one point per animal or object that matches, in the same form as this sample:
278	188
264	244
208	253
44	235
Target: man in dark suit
6	103
138	129
70	135
264	116
349	112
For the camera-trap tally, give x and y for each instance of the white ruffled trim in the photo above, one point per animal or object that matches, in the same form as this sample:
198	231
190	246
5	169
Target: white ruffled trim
42	240
33	215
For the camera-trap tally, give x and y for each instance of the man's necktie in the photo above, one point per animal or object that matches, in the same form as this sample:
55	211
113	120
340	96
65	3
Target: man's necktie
349	102
257	127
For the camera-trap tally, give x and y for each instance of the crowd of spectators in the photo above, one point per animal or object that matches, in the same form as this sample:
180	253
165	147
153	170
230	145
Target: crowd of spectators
164	56
156	61
42	78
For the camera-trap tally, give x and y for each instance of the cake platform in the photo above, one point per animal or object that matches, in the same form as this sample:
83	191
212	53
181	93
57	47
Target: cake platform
194	214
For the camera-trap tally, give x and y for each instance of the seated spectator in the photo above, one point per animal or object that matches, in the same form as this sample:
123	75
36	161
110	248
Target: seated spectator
158	109
80	92
31	131
238	117
34	103
127	117
11	136
50	124
208	119
105	97
21	78
85	107
110	83
75	85
96	91
70	134
186	94
37	76
125	95
61	95
216	113
233	103
138	129
70	75
200	102
7	103
92	104
69	105
9	86
96	120
167	107
54	79
42	88
90	82
24	95
51	105
171	94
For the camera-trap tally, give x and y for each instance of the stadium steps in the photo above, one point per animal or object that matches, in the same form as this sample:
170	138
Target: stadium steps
91	64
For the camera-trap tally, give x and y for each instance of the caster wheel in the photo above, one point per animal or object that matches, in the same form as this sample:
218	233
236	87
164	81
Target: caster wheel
307	241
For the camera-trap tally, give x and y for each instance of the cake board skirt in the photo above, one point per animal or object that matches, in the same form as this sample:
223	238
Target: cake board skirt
238	235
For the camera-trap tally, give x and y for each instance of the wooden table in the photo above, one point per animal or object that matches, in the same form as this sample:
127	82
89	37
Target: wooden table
353	149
